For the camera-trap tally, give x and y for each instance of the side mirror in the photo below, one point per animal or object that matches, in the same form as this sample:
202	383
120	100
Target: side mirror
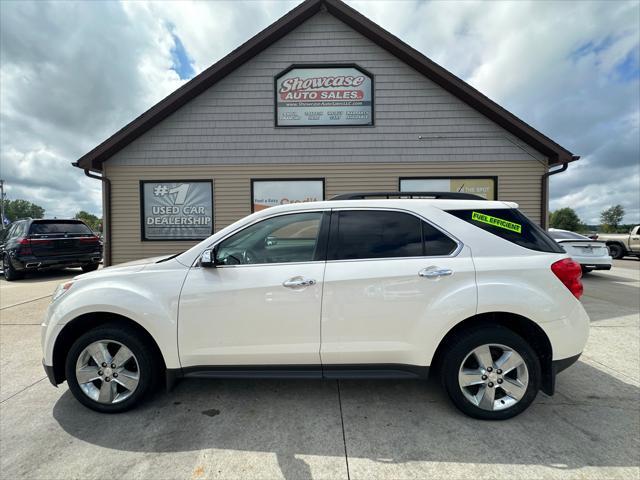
208	257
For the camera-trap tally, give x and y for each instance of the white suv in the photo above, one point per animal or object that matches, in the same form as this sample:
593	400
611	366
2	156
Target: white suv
347	288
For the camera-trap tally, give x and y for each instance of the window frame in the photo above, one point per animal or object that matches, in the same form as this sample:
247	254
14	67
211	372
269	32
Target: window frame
333	236
285	179
455	177
321	247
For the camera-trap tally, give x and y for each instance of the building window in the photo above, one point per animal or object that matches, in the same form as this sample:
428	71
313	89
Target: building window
486	187
176	209
271	192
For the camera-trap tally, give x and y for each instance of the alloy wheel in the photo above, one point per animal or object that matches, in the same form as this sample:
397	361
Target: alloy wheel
107	371
493	377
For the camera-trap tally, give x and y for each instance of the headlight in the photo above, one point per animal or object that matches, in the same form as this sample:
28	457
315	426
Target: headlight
61	290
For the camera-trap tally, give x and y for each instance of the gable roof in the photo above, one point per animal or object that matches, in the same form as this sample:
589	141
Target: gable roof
456	86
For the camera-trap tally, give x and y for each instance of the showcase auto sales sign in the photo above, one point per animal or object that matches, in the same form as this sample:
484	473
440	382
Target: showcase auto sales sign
324	96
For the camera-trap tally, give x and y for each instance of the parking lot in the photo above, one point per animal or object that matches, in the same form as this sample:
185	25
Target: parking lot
347	429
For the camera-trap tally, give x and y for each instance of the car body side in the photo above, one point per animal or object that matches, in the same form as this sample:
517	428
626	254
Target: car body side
149	293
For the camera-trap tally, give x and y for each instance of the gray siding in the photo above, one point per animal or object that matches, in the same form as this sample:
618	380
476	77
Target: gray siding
233	122
518	181
227	134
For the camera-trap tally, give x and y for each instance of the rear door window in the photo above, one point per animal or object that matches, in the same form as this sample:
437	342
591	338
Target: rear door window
511	225
362	234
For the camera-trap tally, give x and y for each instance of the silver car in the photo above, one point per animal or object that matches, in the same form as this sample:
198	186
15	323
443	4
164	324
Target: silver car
590	254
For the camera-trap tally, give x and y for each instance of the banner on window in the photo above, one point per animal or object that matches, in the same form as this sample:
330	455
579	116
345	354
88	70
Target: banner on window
308	96
269	193
484	187
176	210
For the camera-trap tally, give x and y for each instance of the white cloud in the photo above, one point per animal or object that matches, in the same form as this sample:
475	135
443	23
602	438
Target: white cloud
73	73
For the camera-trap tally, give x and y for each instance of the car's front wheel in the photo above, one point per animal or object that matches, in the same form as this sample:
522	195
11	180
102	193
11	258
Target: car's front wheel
491	373
111	368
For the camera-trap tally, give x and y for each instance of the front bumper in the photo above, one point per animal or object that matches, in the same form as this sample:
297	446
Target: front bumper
50	373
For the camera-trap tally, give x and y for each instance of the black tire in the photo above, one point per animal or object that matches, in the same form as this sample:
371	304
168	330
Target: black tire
148	366
586	270
10	273
616	250
90	267
459	349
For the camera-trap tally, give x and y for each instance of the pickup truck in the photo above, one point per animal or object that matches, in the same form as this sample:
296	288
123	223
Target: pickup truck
622	244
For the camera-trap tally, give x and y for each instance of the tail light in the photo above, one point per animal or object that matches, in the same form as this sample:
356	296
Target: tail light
569	273
25	246
93	239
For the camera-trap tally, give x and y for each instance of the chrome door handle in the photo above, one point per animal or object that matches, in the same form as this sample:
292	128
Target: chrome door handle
297	282
435	272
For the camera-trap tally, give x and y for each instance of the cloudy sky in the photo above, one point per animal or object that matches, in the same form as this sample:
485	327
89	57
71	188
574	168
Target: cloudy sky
72	73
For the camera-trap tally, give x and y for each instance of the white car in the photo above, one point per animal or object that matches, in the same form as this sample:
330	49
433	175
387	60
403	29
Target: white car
590	254
347	288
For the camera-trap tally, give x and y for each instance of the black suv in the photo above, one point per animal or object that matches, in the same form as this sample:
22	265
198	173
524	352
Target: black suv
29	245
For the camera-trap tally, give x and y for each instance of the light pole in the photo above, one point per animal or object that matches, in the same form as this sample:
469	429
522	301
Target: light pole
2	203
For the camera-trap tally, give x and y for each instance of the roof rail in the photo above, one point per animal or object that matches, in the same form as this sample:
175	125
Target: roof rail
438	195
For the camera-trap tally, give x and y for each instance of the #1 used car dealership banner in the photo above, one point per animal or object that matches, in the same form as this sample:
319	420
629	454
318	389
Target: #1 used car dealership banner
269	193
324	96
175	210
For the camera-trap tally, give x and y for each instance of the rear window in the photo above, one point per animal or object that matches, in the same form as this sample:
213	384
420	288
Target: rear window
511	225
560	235
59	227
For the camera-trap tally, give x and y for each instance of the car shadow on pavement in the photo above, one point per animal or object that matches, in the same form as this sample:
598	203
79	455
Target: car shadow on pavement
599	278
48	275
593	420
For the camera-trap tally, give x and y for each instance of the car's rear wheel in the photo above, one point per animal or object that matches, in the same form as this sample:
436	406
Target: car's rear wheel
111	368
10	273
616	250
586	270
491	373
90	267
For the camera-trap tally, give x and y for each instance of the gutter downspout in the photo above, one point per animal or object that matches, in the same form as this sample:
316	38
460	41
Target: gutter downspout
106	214
545	190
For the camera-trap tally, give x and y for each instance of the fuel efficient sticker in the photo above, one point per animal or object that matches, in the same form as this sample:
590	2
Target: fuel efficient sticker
496	222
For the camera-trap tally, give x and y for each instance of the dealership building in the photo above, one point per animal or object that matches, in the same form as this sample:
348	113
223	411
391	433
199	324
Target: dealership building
322	102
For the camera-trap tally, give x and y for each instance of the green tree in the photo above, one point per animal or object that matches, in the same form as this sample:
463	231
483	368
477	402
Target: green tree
16	209
611	217
94	222
565	219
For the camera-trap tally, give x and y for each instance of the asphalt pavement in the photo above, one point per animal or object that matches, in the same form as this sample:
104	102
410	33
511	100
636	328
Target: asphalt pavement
326	429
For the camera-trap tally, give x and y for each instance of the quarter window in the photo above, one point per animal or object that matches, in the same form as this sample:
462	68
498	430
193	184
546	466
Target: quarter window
511	225
384	234
282	239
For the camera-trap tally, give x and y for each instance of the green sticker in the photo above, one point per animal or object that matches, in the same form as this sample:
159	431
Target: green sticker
496	222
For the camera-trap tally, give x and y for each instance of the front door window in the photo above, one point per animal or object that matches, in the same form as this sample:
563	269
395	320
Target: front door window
282	239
